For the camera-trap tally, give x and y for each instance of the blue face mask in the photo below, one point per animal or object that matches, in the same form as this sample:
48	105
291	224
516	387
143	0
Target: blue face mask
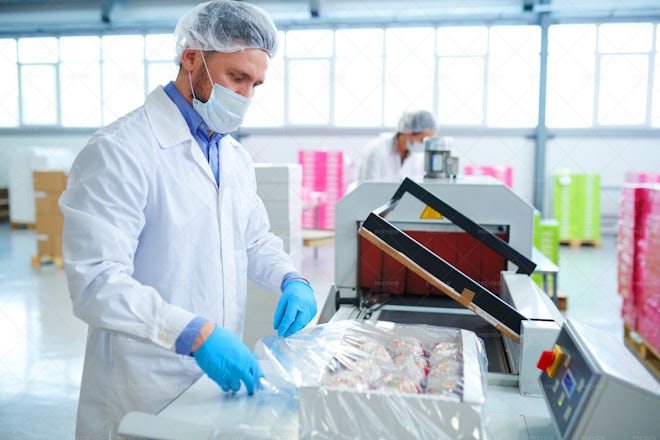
224	110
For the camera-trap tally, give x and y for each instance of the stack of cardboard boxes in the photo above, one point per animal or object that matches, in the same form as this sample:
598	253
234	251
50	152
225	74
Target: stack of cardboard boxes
48	186
279	187
546	240
322	172
639	261
503	173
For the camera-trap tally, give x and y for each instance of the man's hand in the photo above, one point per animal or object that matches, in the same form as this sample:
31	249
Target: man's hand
227	360
296	308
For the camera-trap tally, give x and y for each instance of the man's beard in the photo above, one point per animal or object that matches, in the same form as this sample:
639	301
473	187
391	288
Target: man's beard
198	80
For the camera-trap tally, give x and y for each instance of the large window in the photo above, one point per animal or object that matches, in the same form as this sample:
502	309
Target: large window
409	70
9	84
624	51
598	75
80	81
309	63
479	76
37	59
462	70
513	76
267	109
359	77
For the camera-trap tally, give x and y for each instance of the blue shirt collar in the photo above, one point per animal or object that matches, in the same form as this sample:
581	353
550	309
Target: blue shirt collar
194	121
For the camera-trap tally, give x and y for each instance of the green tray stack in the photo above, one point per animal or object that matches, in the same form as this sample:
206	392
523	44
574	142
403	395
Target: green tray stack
577	206
546	240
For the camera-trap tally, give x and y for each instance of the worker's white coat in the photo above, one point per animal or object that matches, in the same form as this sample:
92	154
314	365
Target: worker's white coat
381	161
150	242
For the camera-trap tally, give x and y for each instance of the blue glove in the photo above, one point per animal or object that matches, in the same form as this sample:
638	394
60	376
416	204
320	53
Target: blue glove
228	361
296	308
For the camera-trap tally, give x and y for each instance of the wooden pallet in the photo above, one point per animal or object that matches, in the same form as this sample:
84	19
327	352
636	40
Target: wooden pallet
42	260
576	243
562	300
19	225
644	351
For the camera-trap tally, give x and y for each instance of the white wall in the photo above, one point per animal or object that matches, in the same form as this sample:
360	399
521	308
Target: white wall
611	157
511	151
8	144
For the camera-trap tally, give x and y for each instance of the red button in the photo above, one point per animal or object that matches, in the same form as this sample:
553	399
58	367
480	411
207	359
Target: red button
546	359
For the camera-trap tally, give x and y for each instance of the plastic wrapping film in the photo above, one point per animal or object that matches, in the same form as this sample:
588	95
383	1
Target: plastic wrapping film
360	379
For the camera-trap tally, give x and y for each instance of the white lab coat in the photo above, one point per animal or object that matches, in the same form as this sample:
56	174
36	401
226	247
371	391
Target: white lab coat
150	242
381	161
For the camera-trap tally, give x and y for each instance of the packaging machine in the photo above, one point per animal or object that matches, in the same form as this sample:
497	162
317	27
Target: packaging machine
454	253
449	253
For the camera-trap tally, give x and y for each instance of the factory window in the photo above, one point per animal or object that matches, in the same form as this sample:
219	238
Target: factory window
9	84
624	50
409	71
37	58
513	76
123	75
359	77
571	73
267	109
309	62
80	81
159	58
461	73
599	75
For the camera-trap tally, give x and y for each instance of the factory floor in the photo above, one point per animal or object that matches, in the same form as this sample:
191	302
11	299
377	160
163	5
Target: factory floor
42	343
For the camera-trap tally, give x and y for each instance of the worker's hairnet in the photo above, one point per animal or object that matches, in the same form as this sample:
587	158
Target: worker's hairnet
416	122
225	26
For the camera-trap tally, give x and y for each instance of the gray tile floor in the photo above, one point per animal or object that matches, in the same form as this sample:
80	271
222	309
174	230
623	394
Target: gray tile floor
42	343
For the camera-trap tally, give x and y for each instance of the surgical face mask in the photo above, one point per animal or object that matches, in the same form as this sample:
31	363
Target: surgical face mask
224	110
415	147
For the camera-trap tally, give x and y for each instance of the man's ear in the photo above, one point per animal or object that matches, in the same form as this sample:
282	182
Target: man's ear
188	59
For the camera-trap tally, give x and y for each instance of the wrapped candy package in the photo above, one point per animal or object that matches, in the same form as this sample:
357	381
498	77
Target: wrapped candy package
360	379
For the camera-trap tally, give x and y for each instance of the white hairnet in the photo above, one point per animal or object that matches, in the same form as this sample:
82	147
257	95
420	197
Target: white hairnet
416	122
225	26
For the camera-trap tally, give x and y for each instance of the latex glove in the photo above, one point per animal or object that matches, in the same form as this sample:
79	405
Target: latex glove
228	361
296	308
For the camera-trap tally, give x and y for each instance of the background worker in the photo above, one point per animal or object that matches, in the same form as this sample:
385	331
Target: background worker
393	156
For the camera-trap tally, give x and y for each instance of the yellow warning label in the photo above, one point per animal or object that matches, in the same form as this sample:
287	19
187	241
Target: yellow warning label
430	213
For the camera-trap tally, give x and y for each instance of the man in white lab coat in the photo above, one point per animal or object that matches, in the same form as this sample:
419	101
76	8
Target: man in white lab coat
163	226
393	156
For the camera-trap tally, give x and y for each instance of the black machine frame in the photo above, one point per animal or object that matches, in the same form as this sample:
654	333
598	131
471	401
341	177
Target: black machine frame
438	271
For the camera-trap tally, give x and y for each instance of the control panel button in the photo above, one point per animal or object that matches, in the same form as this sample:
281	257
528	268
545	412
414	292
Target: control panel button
555	386
560	401
546	359
550	360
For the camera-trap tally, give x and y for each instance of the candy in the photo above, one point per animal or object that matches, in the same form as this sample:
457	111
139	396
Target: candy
406	346
400	383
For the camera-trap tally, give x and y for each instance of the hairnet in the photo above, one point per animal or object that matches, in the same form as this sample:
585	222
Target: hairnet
416	122
225	26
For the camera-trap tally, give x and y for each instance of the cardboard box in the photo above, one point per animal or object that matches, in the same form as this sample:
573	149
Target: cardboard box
49	245
47	202
50	224
49	180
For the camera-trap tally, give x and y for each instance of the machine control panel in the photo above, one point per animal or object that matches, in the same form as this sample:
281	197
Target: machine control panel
566	381
588	376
